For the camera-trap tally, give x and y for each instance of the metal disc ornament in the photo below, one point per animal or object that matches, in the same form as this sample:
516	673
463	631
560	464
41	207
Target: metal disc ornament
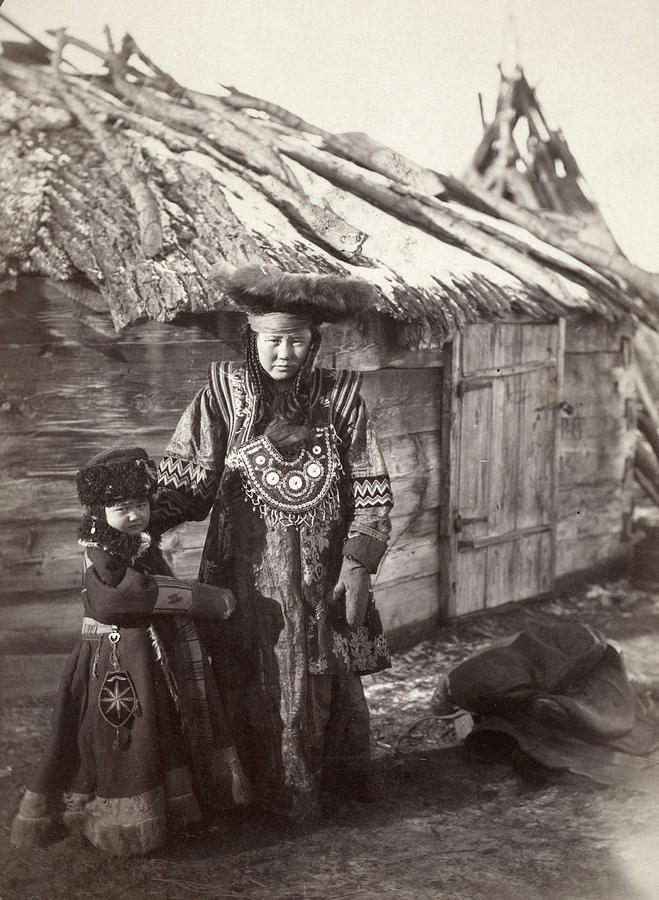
117	699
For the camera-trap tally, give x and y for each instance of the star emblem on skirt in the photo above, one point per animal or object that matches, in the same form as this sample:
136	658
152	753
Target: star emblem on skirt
117	700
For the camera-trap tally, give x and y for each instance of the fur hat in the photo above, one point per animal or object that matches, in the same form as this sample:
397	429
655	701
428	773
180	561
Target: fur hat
116	474
321	298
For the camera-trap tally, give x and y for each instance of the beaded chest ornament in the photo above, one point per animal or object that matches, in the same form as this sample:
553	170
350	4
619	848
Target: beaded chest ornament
291	492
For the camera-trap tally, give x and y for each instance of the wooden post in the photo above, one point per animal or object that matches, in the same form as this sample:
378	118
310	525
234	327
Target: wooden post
449	477
556	474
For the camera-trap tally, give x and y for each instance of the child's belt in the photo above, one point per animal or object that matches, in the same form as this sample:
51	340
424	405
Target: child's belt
91	628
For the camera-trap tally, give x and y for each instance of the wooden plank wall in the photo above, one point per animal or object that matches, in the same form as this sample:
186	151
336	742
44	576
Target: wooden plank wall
405	406
597	445
72	386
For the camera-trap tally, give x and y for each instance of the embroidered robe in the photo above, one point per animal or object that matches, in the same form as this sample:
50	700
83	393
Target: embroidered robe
278	530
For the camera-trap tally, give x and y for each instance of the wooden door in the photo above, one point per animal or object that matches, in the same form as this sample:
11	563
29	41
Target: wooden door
500	486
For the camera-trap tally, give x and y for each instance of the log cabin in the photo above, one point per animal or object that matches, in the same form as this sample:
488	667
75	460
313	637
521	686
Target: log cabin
497	360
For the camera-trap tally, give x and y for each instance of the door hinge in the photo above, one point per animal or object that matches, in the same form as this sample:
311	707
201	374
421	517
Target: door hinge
473	384
561	405
478	543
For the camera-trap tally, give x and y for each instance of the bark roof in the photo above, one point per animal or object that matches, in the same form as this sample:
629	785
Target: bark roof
132	183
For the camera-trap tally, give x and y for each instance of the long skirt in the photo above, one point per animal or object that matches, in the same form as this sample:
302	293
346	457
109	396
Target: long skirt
297	712
126	787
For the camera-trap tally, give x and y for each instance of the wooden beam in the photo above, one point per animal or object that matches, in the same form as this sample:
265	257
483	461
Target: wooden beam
506	538
611	263
556	462
649	488
517	369
449	474
645	396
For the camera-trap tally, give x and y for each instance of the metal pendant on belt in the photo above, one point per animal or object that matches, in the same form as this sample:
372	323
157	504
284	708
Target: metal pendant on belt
117	699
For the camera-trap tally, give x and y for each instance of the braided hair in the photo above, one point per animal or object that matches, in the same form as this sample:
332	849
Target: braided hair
296	405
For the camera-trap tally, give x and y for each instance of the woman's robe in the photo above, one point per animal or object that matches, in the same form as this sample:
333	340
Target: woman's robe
287	663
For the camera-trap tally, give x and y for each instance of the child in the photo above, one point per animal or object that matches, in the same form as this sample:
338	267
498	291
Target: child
138	740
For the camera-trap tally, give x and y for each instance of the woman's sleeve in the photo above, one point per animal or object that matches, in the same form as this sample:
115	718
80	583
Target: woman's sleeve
189	472
370	494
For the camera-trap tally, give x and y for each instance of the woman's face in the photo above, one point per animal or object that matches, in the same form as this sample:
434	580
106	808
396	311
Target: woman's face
129	516
282	355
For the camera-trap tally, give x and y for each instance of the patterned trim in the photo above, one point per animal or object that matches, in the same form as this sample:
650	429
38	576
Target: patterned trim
316	387
234	396
220	377
193	479
360	651
343	398
369	492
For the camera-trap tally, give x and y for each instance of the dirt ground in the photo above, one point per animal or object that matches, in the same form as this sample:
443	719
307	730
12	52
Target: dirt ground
441	826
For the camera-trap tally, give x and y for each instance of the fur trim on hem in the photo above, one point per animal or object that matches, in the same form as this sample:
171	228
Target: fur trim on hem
230	784
33	832
136	839
127	826
180	802
73	815
73	820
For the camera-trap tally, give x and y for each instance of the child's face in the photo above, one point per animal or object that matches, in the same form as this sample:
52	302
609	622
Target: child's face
130	516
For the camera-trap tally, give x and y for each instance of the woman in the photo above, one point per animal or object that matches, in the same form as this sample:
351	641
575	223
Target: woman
285	457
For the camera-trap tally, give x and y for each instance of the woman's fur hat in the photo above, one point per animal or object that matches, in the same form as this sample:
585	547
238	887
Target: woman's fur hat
321	298
116	474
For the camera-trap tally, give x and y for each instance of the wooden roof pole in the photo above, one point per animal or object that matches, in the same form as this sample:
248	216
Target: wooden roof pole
146	207
645	283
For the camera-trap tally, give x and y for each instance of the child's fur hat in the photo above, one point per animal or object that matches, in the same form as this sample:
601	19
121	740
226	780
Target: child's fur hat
265	289
116	474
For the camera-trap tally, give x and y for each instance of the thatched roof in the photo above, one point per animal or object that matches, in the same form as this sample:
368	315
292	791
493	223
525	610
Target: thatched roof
132	183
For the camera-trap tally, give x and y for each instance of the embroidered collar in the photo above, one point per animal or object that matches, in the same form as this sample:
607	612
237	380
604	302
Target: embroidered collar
128	547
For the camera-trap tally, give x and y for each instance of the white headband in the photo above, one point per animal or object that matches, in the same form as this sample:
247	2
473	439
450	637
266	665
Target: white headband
277	322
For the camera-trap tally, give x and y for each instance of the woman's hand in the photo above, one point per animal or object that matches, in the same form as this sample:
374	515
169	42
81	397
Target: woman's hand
210	602
355	583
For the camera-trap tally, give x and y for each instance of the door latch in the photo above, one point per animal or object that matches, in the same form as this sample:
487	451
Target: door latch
562	405
459	522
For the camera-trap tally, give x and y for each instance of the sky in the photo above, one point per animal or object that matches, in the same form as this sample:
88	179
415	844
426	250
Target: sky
409	72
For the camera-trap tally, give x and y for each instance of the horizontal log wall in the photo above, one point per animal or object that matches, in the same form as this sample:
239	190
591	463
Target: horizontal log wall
72	386
405	406
597	446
